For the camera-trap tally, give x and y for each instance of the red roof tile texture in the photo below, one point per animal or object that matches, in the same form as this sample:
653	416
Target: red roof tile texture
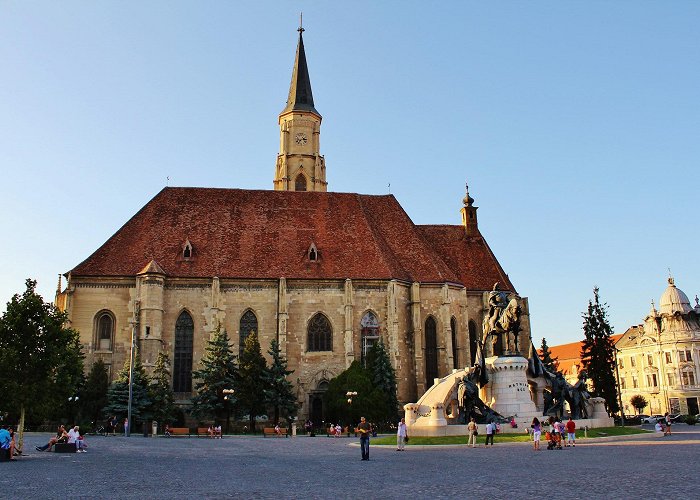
237	233
569	355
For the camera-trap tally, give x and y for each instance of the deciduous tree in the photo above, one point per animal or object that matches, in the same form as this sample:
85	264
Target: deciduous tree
639	402
41	362
93	396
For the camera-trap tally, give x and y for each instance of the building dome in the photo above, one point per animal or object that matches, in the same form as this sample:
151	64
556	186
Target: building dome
674	300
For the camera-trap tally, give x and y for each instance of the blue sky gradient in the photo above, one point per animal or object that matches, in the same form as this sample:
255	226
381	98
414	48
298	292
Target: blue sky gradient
577	125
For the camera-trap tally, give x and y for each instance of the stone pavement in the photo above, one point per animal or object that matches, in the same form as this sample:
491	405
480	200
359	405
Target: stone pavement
321	467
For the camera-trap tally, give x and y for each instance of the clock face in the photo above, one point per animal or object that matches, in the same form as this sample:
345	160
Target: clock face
301	139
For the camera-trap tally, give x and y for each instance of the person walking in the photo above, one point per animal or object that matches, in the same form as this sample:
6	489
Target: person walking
667	424
536	433
364	429
490	430
126	427
401	435
472	433
571	432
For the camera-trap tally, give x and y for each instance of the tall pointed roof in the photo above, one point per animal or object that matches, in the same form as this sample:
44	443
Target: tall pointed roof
300	96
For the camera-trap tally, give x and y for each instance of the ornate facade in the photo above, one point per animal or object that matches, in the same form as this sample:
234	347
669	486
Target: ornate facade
660	359
326	274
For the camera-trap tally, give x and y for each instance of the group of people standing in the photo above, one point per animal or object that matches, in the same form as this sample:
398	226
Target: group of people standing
555	433
492	428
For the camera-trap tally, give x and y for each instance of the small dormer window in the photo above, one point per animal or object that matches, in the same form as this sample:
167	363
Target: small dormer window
313	253
187	250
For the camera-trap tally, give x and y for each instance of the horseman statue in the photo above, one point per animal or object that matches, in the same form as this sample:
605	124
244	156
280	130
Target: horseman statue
503	319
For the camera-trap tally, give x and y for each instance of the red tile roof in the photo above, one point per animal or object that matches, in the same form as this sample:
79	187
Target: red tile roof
568	355
237	233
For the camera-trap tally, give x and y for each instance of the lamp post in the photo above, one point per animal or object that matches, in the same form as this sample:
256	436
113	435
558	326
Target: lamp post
619	391
134	330
350	395
72	402
228	395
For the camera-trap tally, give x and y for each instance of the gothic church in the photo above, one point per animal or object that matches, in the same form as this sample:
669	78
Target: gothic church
324	273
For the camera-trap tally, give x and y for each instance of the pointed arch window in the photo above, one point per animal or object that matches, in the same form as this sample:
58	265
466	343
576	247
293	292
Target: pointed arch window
182	359
300	183
248	324
453	331
104	323
431	362
187	250
313	252
369	333
320	334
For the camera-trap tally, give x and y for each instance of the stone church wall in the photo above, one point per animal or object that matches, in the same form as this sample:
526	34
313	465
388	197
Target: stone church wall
401	310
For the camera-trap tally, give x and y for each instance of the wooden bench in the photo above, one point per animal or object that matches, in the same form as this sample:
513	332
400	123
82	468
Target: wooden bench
65	448
179	431
270	431
203	431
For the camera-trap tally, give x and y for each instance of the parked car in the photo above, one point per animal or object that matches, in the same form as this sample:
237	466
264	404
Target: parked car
677	418
653	419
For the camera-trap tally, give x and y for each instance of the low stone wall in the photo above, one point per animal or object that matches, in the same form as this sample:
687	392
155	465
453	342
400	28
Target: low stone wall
461	430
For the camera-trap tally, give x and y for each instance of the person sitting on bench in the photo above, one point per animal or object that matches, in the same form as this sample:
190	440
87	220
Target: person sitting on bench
60	437
74	438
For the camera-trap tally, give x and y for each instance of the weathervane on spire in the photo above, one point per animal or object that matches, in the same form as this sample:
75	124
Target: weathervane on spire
301	23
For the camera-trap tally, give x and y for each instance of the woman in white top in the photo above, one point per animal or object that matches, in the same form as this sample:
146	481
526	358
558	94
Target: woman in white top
401	435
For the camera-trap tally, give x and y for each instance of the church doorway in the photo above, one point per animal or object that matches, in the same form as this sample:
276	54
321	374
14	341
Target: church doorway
316	408
431	361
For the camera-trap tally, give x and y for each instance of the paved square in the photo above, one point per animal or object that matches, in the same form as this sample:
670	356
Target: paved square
253	467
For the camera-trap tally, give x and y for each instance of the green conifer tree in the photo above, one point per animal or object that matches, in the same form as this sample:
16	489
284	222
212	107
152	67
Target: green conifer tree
550	363
280	391
163	408
118	394
597	352
216	375
384	377
251	381
93	396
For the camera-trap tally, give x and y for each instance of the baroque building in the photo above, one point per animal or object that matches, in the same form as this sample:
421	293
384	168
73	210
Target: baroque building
326	274
660	358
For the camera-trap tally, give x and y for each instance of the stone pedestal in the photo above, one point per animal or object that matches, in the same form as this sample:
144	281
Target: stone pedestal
508	392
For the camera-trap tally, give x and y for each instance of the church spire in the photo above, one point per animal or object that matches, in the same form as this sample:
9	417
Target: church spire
300	95
300	166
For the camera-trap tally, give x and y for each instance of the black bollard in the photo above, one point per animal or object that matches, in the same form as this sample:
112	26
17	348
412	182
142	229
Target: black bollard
145	429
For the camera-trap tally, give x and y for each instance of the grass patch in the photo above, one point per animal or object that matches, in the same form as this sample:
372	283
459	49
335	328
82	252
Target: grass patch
506	438
611	431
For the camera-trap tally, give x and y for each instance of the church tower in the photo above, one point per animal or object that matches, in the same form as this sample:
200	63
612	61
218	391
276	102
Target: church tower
300	167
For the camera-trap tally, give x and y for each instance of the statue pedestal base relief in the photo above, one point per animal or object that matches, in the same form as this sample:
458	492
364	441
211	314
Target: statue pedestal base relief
508	391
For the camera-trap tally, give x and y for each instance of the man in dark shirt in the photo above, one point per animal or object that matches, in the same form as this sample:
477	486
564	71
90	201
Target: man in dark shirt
364	429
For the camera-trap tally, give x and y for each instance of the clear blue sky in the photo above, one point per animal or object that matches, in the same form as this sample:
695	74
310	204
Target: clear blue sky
577	125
